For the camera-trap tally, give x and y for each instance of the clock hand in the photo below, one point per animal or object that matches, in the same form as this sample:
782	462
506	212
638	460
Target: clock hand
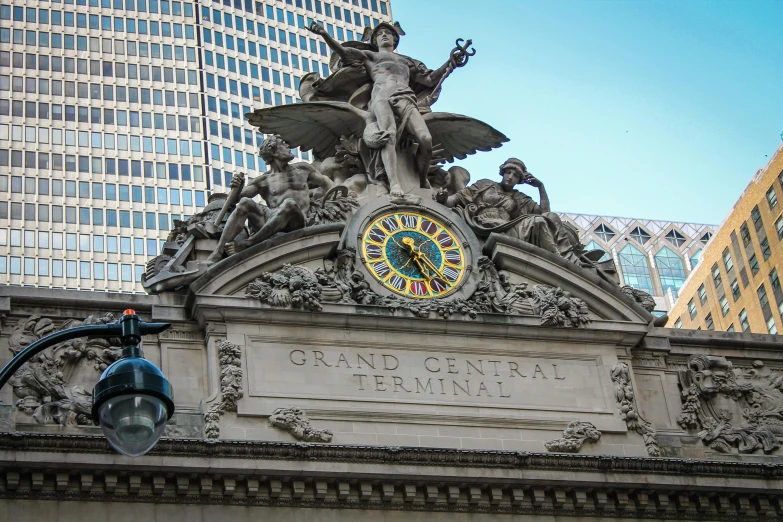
432	267
424	264
422	269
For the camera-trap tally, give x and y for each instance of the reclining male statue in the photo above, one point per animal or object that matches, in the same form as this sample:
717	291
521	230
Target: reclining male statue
286	189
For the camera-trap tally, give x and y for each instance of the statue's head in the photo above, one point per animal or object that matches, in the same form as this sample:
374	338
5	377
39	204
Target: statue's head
274	147
513	172
383	35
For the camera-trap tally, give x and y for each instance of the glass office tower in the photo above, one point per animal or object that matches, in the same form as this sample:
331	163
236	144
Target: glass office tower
119	116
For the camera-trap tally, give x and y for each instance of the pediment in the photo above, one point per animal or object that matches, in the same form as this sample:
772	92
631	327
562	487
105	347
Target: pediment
314	256
536	266
232	275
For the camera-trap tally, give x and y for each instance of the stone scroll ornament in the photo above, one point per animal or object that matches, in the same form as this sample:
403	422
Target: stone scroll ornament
339	282
43	386
621	376
230	357
732	408
574	436
295	422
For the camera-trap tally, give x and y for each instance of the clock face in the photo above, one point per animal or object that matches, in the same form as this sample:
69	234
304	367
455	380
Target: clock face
413	255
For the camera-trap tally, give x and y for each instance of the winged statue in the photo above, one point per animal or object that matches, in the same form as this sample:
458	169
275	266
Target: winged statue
382	100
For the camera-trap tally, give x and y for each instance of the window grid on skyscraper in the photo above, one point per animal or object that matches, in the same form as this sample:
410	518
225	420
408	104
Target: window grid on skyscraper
104	141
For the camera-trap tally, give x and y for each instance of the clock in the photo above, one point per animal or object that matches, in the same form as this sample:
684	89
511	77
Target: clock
413	254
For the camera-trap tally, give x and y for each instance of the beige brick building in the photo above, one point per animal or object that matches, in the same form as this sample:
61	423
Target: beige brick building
736	286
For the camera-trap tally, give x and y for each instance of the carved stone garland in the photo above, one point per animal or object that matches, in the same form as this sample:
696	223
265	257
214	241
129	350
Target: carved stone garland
295	422
714	394
42	385
339	282
230	356
628	411
575	434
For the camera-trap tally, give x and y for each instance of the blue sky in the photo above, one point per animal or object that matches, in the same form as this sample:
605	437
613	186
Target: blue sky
649	109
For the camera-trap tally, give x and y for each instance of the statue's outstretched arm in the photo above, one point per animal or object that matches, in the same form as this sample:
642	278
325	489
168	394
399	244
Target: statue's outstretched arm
432	78
458	58
318	29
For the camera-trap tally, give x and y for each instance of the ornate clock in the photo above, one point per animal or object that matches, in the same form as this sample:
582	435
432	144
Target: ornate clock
413	254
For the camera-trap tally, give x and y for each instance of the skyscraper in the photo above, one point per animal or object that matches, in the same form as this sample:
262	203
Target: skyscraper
119	116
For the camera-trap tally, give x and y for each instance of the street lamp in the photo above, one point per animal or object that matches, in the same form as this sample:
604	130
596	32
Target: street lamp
133	400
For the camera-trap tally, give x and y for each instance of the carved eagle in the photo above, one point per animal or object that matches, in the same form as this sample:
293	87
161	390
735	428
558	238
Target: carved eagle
320	125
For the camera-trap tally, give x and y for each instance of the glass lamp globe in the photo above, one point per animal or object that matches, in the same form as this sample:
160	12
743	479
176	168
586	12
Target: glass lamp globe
132	402
133	423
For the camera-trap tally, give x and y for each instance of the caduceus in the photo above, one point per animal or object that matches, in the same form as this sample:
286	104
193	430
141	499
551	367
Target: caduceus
459	58
461	53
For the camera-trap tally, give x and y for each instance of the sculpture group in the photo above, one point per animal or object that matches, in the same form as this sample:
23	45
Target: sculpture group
373	134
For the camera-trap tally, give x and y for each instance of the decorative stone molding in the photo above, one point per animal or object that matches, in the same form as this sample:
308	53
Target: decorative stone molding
302	491
714	394
230	356
42	386
335	207
648	361
558	307
339	282
640	297
290	287
295	422
628	410
386	455
176	334
417	489
575	434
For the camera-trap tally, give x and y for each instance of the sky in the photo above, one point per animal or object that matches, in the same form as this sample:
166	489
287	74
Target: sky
646	109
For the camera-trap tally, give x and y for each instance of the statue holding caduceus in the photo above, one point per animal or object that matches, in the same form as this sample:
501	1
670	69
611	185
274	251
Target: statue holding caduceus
393	107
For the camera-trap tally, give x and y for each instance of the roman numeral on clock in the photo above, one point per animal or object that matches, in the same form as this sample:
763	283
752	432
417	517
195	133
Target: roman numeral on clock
451	273
376	234
382	269
397	282
409	221
374	252
390	224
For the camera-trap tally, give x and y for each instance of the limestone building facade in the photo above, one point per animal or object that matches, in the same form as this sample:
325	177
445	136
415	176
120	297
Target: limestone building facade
736	287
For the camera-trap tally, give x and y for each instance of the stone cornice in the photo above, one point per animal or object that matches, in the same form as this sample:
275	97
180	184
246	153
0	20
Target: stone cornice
408	456
238	309
37	467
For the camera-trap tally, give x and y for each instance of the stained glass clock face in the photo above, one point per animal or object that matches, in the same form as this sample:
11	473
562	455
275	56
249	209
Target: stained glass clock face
413	255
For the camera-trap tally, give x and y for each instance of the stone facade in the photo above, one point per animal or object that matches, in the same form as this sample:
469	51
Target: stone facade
381	339
379	411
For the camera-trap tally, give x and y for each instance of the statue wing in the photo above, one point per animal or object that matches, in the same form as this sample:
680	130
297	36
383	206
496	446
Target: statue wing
459	136
315	125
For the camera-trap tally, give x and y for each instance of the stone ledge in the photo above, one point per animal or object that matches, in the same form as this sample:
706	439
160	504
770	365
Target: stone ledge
303	491
403	456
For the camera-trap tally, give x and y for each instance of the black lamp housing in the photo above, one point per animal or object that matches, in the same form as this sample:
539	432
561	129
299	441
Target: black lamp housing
133	374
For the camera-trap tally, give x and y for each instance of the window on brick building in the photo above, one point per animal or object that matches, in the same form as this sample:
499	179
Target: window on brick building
743	317
772	197
702	294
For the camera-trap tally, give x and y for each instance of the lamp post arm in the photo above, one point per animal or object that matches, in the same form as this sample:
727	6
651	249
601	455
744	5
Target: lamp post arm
90	330
105	331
